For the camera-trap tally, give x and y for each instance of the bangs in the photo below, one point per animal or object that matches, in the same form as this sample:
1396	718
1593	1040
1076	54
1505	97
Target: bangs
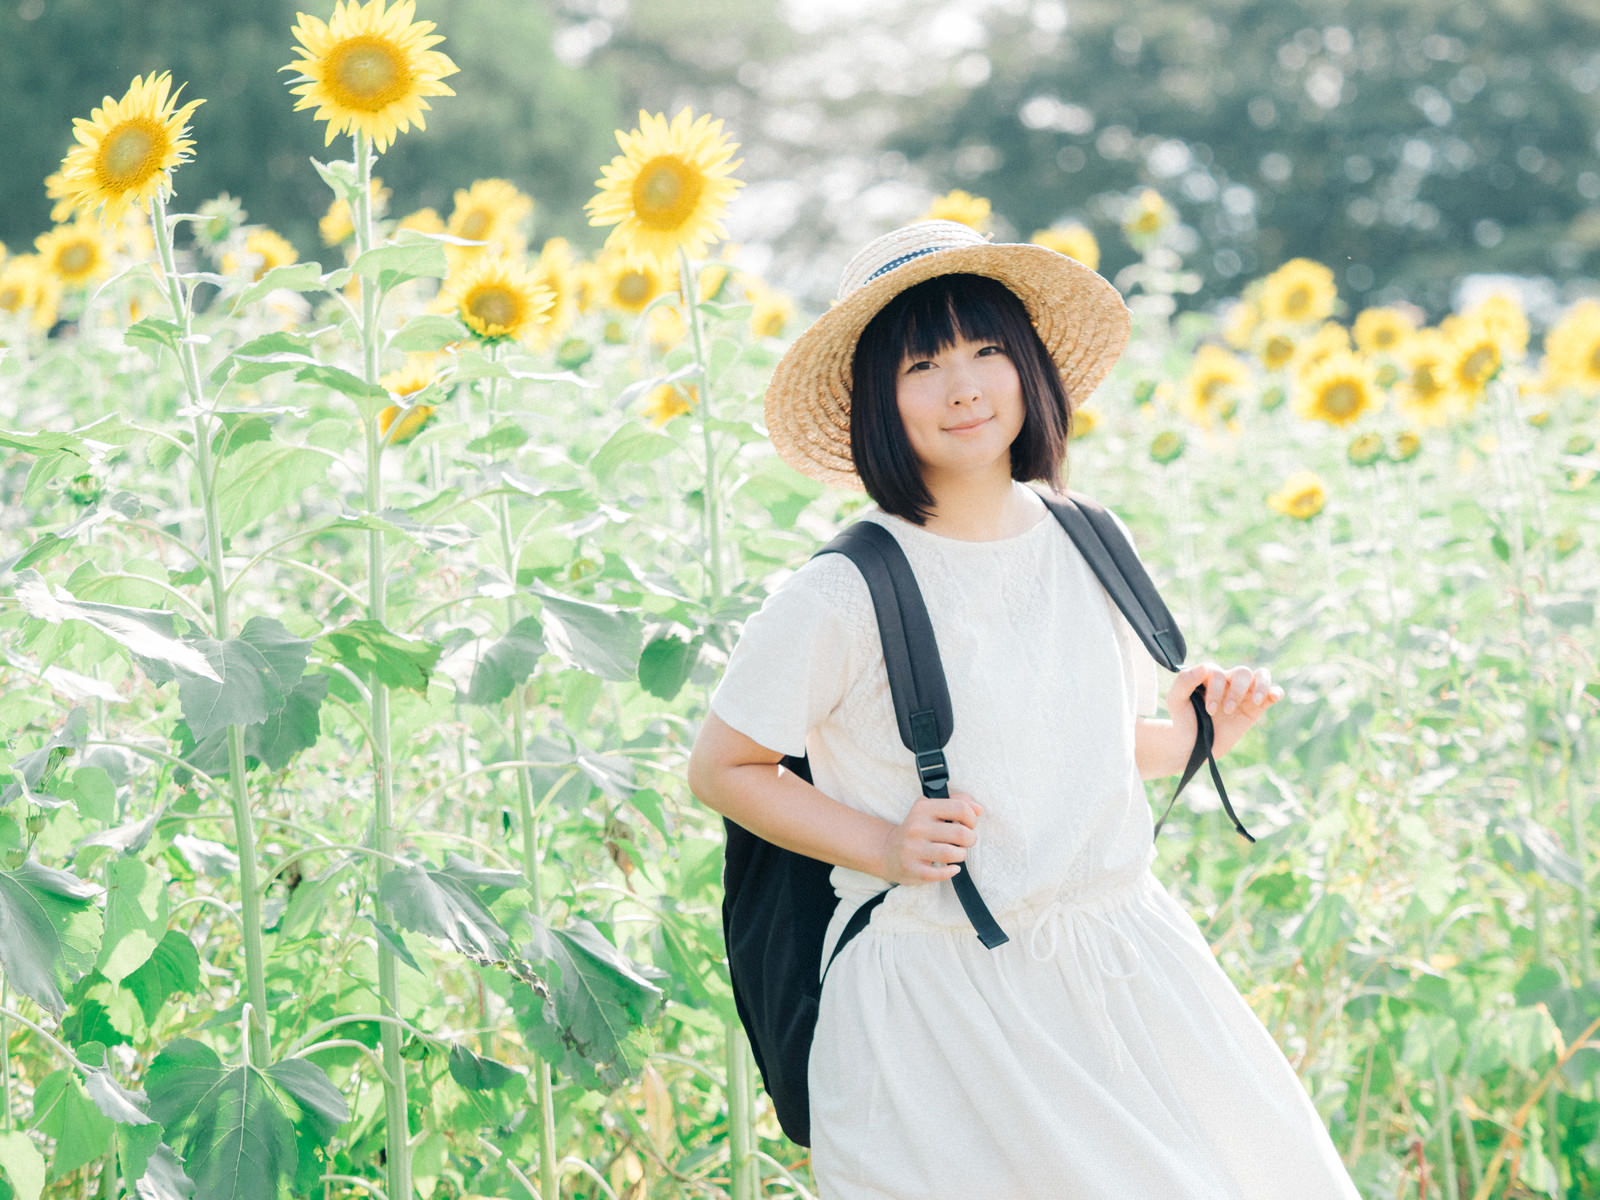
930	317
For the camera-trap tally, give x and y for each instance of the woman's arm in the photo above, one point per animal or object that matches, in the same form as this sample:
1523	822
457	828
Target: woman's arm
742	780
1235	699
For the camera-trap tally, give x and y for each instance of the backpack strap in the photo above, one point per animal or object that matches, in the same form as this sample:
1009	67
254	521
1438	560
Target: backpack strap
916	682
1115	563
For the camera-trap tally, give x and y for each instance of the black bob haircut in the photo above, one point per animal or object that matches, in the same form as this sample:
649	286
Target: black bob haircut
921	321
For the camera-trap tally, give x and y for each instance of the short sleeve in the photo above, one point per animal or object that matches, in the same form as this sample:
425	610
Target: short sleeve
791	666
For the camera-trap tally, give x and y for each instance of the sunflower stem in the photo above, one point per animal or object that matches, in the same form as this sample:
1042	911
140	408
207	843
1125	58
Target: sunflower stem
713	506
259	1034
397	1121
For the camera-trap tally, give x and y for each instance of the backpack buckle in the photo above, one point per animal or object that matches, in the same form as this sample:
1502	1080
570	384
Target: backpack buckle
933	771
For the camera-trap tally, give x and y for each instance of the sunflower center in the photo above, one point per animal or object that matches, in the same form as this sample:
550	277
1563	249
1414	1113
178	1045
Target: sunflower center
666	192
131	153
1277	351
1479	365
1594	359
75	258
1297	301
1342	399
633	288
494	306
475	226
1305	504
11	298
1425	382
367	73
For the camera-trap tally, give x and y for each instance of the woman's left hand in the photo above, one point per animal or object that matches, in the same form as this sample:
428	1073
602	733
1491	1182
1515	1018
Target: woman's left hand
1235	700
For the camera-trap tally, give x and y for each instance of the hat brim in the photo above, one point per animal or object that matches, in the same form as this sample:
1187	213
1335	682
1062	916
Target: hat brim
1080	318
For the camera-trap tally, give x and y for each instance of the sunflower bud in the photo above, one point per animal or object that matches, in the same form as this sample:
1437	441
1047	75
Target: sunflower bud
1366	450
1167	446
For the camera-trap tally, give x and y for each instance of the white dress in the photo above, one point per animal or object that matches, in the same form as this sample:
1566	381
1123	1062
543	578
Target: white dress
1101	1054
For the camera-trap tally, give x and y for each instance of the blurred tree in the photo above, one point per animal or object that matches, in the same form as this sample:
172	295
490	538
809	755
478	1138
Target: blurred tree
519	112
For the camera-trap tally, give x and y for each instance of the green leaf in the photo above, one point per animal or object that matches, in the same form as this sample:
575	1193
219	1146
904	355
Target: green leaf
254	674
389	266
665	664
48	931
296	277
263	356
1331	921
150	634
241	1131
598	638
135	917
63	1111
1525	845
44	443
154	331
367	648
114	1101
507	663
370	397
630	445
22	1164
173	969
261	478
427	333
39	767
448	907
507	435
478	1074
598	1003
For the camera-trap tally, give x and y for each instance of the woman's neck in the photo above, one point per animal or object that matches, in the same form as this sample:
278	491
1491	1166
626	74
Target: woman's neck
983	509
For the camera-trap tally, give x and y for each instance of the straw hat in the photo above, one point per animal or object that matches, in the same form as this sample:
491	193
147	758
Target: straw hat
1078	315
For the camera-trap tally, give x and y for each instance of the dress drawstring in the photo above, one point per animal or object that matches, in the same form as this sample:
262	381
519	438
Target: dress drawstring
1092	959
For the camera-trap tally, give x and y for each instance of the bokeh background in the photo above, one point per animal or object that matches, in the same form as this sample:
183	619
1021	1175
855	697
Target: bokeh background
1410	144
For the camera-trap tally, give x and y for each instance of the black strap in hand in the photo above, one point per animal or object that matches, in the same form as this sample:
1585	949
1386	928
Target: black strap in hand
1205	735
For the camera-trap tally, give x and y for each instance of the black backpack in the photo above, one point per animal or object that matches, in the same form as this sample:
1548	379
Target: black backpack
777	904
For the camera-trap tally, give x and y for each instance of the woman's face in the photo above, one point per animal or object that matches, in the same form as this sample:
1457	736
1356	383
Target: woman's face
961	409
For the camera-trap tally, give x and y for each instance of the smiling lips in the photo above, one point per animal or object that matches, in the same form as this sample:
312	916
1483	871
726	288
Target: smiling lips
970	425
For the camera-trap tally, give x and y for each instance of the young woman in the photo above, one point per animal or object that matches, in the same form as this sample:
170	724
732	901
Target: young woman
1101	1052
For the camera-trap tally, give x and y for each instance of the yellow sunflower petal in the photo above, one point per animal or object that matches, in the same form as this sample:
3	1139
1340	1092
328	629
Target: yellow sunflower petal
127	149
369	70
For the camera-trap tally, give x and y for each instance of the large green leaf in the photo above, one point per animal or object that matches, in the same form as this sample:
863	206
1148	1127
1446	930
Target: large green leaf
599	638
665	664
172	969
149	633
453	906
135	916
597	1005
388	266
507	663
367	648
64	1111
262	478
38	767
49	931
253	675
632	444
22	1165
240	1130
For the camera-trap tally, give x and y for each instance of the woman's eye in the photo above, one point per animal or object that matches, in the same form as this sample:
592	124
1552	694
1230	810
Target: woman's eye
920	365
992	349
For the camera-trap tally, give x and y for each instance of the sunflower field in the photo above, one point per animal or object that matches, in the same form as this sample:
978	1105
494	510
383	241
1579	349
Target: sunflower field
356	617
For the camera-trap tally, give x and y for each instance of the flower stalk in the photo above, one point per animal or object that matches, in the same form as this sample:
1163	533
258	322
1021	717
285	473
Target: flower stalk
385	835
689	285
259	1037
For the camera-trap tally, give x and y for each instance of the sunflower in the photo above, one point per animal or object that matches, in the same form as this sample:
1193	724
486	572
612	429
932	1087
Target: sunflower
1338	390
1424	393
667	400
962	207
1211	389
1147	215
369	70
1366	449
770	310
408	421
424	220
420	371
629	287
28	287
499	299
1301	292
1240	323
493	212
1497	316
667	189
1383	330
263	251
1572	348
128	148
56	190
1302	496
1330	339
1474	360
1084	422
556	270
1407	445
1167	446
1075	241
76	254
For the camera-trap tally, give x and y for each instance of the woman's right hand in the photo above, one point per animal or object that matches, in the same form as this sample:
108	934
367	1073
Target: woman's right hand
933	839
